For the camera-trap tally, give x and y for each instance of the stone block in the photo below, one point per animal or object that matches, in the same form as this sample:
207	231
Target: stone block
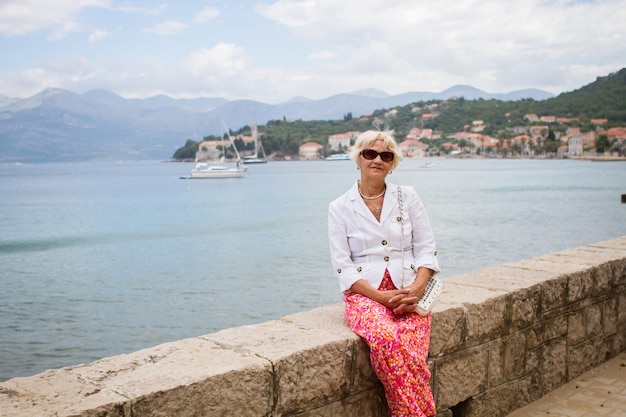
59	393
367	403
554	364
449	329
621	308
576	327
507	358
488	317
485	312
581	358
554	294
580	285
187	378
505	398
525	306
558	327
331	319
181	378
590	255
507	278
593	320
311	366
534	336
460	376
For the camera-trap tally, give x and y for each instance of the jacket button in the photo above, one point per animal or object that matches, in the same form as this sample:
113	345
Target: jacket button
413	267
386	259
359	269
339	270
399	219
384	242
435	253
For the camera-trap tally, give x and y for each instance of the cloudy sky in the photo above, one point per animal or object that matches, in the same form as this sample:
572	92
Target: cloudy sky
274	50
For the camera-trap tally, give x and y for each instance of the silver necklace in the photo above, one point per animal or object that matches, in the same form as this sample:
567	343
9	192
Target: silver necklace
374	197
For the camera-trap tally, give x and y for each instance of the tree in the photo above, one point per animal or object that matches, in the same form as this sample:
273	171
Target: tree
602	144
188	151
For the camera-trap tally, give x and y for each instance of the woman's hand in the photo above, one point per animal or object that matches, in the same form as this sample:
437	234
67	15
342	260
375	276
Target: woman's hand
401	301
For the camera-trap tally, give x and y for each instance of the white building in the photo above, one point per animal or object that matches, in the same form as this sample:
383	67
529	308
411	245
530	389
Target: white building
341	141
310	150
575	146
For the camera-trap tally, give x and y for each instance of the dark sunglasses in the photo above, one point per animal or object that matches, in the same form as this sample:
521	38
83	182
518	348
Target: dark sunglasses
370	154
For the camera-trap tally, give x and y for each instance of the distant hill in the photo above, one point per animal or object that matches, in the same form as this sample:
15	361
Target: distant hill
603	98
59	125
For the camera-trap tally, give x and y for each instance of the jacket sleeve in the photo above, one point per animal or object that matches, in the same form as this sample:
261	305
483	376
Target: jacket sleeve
424	247
340	254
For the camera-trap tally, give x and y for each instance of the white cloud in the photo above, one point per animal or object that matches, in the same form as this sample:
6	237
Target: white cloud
223	60
98	35
492	44
206	14
312	48
168	27
18	17
325	54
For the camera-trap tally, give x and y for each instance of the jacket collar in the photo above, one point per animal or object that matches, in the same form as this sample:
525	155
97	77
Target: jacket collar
389	202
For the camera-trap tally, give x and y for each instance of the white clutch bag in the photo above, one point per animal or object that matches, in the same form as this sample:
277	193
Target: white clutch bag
434	285
430	296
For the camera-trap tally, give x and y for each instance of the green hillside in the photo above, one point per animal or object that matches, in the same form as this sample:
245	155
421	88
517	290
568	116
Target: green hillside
604	98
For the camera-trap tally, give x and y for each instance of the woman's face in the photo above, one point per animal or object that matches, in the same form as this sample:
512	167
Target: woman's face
375	168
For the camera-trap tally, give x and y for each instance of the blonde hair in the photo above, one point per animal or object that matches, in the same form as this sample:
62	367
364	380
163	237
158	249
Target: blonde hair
369	137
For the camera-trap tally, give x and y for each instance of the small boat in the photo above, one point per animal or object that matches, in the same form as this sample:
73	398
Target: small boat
219	169
338	157
254	159
205	170
427	165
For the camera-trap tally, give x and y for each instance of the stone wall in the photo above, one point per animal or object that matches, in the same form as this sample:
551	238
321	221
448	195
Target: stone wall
502	337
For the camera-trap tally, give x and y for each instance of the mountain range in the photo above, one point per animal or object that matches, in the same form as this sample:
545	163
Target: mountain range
60	125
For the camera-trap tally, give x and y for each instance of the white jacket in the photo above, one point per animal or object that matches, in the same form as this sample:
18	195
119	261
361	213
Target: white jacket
362	248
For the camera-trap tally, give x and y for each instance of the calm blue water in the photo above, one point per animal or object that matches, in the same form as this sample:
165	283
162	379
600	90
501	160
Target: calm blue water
107	258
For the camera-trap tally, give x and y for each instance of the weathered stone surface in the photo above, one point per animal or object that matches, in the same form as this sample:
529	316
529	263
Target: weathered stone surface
609	316
331	319
185	378
58	392
582	357
311	367
556	327
576	327
504	398
511	354
487	318
525	306
461	376
506	278
554	295
593	320
449	328
554	364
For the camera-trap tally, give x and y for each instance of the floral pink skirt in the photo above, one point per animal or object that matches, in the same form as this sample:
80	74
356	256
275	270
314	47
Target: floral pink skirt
398	351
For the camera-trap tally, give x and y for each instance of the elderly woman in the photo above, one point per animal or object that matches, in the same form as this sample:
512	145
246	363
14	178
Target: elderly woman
383	253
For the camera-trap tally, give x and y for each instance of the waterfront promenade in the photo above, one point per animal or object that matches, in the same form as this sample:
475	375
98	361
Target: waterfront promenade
598	392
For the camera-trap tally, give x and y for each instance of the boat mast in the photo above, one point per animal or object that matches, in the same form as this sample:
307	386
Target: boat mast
255	136
231	141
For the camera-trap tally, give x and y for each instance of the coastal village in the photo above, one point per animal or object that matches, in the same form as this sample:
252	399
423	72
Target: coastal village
472	142
524	141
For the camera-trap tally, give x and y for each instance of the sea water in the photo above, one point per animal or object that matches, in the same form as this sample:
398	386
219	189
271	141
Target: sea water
98	259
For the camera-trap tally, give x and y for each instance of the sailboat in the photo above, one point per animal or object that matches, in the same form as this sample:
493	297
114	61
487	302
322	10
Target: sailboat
254	159
212	170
